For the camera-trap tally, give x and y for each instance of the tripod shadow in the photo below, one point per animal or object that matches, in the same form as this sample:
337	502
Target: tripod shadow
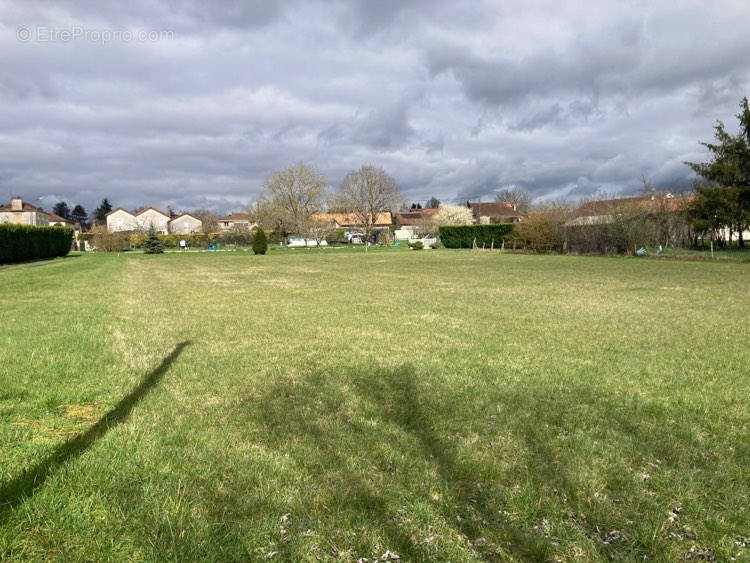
17	490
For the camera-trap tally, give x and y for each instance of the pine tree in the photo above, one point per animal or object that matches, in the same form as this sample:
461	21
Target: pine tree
100	214
729	168
61	208
260	242
153	244
79	214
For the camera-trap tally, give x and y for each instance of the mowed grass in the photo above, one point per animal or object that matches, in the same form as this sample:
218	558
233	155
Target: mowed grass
323	405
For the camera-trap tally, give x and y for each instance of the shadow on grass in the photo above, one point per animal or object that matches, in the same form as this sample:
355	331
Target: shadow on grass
36	262
376	442
24	486
356	474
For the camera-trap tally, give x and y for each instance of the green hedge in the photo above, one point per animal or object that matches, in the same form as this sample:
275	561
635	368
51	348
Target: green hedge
25	242
463	236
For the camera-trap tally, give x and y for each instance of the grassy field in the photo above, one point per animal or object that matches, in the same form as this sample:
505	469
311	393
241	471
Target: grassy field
327	405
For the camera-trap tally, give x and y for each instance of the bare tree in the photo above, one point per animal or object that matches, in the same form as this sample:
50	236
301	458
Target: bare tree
290	197
368	192
518	197
209	220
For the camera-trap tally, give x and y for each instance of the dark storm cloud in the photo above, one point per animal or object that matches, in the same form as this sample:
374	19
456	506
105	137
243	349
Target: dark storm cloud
456	100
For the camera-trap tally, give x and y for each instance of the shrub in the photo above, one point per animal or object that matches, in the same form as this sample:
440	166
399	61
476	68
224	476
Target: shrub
260	243
543	230
26	242
153	244
417	245
104	241
463	236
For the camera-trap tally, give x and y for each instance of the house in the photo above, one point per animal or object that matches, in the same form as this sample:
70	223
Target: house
57	221
602	211
408	222
123	220
20	212
150	217
494	212
185	224
240	220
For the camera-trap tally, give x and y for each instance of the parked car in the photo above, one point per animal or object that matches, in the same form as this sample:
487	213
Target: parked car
355	238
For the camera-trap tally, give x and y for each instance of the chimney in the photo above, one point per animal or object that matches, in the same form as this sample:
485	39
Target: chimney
16	203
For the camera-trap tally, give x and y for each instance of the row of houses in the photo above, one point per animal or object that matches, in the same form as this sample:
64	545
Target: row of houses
183	224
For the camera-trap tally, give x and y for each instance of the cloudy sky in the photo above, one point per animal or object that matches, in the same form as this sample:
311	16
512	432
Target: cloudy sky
193	104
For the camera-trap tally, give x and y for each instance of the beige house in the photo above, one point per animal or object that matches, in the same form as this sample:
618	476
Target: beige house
121	220
185	224
152	217
241	220
20	212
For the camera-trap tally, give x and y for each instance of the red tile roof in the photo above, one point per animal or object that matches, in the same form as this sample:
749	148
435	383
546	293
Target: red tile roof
235	217
495	210
25	206
647	203
414	216
350	219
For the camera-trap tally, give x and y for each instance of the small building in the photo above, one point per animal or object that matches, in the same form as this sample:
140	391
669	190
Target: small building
185	224
239	220
494	212
409	222
20	212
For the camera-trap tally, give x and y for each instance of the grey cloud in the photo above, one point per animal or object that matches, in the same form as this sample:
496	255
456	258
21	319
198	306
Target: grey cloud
456	100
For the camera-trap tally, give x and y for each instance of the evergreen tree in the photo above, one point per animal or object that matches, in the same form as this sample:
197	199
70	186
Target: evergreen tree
153	244
61	208
433	203
79	214
100	214
729	168
260	242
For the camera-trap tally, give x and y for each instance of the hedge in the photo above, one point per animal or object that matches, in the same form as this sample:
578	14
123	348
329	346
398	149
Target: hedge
25	242
463	236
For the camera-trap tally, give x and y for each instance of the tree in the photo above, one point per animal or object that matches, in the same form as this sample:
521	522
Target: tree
260	242
153	244
79	214
366	193
518	197
432	203
446	215
454	215
100	213
291	196
729	167
209	220
61	208
711	210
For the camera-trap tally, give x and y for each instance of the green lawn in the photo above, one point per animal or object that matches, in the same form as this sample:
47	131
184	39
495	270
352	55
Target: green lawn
327	405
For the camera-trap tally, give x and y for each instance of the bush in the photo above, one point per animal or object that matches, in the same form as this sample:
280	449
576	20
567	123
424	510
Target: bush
542	231
26	242
260	242
104	241
417	245
463	236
